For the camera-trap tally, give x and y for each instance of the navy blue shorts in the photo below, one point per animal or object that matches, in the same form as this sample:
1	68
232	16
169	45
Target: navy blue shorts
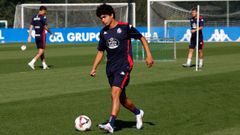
193	43
41	43
119	79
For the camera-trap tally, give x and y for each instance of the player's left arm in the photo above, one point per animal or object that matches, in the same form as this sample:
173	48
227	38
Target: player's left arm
149	58
48	30
201	24
46	26
134	33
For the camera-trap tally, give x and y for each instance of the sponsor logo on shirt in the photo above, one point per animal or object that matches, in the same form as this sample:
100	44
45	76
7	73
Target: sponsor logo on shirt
113	43
119	30
122	73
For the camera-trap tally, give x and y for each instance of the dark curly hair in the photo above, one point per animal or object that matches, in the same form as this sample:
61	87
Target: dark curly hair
42	8
105	9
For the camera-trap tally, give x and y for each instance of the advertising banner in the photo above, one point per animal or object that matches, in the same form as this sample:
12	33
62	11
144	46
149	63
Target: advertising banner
80	35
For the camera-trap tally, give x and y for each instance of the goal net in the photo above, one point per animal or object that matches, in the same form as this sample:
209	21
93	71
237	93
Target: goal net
216	13
171	18
162	49
70	15
3	24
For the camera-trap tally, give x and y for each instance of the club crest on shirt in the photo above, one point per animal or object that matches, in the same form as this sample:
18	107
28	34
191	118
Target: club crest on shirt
112	43
194	25
119	30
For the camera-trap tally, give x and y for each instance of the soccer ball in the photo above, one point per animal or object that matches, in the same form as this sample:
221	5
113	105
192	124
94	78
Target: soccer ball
23	47
83	123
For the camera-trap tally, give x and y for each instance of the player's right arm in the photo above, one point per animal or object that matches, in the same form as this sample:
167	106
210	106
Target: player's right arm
201	24
97	61
197	29
30	33
101	48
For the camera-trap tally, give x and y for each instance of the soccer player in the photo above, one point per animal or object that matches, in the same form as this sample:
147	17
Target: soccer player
193	41
39	23
115	39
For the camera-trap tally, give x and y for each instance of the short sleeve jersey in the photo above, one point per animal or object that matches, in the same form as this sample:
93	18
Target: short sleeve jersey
39	22
117	43
193	23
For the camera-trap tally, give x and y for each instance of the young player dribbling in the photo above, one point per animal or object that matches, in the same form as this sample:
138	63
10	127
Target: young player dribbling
115	39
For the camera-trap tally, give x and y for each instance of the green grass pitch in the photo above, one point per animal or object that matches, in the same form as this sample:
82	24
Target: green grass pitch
176	100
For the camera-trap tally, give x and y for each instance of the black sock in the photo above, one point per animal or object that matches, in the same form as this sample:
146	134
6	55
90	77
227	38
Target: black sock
112	120
136	111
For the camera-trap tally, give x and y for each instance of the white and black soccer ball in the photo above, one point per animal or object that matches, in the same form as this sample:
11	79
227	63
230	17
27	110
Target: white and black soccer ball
83	123
23	47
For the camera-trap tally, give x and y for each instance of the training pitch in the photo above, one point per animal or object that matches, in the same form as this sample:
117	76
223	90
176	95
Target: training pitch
176	100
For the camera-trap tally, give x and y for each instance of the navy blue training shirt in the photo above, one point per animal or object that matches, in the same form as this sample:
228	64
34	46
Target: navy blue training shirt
39	22
193	22
117	43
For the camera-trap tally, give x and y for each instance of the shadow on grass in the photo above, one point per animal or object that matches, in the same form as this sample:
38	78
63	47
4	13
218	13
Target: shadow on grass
120	124
41	67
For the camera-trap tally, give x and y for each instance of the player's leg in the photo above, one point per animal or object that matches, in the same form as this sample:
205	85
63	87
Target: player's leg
32	62
190	53
40	48
116	91
39	54
44	62
189	59
127	103
200	52
43	57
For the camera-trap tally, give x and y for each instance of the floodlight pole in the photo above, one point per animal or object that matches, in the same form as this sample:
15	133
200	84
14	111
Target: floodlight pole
148	18
197	36
22	16
129	12
227	13
66	14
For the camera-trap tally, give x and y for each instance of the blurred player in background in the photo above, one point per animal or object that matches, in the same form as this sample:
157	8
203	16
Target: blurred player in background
193	41
39	24
115	39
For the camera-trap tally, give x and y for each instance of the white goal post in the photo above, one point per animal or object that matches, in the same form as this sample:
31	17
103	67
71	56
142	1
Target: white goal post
78	15
166	24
